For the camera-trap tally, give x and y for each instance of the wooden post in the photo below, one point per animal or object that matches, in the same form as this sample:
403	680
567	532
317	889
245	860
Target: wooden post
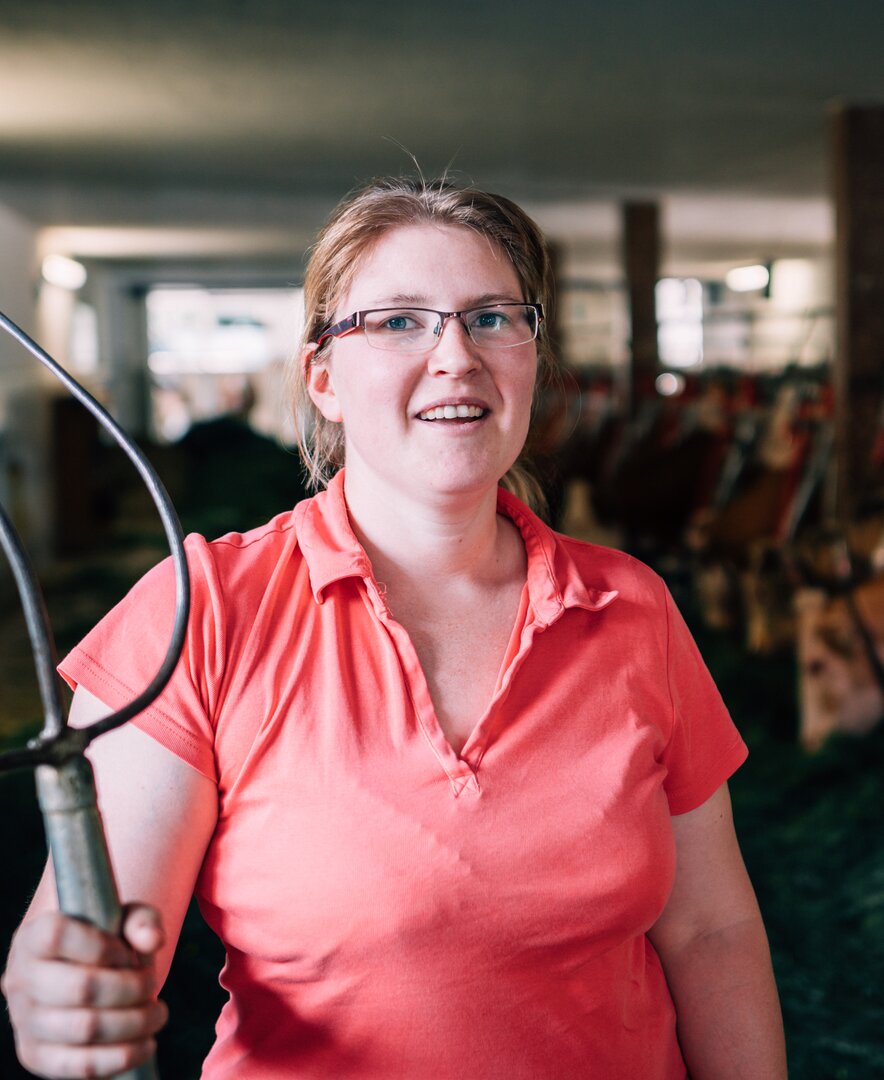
858	157
641	260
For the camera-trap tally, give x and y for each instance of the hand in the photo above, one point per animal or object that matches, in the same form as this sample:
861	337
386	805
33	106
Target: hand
81	1001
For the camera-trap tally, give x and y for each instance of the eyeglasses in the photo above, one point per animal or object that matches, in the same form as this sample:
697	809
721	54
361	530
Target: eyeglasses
495	326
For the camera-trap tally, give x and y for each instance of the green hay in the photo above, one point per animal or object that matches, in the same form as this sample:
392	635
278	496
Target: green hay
810	829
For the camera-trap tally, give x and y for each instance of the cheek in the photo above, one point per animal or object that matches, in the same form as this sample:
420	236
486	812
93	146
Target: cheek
530	388
368	395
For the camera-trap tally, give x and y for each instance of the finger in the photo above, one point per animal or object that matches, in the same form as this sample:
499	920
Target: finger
66	1062
55	982
143	928
60	937
86	1027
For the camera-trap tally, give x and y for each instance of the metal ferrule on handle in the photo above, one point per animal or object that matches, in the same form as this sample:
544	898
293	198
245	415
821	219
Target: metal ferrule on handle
83	875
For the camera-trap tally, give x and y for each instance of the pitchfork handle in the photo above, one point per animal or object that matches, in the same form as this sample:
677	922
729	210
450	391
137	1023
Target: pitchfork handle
83	875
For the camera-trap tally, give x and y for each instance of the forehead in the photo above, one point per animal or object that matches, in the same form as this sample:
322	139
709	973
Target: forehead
441	265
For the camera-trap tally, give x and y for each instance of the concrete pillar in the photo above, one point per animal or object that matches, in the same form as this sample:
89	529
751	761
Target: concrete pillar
24	480
858	173
122	344
641	261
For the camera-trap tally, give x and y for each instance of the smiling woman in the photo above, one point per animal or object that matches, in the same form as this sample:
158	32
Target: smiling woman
449	787
506	233
382	397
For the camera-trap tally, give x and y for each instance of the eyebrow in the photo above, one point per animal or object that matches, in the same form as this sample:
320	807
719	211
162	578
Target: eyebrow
419	300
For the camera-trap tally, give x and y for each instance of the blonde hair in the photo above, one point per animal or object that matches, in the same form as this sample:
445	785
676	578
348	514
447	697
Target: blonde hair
356	225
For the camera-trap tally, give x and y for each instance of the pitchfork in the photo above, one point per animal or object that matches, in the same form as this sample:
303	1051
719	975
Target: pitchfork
65	784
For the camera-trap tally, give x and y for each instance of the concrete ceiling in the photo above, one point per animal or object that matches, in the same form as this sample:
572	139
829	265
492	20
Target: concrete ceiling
258	115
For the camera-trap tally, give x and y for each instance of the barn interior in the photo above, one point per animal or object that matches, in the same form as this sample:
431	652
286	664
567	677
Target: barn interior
711	180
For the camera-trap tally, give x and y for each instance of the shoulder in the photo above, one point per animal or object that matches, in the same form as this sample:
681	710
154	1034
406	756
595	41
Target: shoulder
587	575
227	575
233	549
240	555
611	569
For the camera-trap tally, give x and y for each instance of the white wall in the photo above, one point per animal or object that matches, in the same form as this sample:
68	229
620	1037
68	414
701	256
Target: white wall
24	482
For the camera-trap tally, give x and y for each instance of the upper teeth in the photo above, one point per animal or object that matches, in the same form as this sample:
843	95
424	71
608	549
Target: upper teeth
451	412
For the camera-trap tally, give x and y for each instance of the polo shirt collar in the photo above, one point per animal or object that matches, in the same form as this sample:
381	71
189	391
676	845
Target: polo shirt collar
554	581
332	553
326	539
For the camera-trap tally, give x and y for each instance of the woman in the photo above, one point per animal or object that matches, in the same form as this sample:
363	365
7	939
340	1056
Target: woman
451	788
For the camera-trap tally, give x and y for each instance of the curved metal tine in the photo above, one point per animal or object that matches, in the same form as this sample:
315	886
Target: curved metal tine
65	786
66	791
171	527
42	643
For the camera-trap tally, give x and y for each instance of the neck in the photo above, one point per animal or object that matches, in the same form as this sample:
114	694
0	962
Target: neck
430	540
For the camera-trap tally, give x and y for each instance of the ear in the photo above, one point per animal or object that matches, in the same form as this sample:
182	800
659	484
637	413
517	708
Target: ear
320	385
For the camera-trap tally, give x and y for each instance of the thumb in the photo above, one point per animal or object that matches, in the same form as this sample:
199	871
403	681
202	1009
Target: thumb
143	928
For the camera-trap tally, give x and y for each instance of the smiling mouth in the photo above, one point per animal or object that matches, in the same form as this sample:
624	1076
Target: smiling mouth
453	412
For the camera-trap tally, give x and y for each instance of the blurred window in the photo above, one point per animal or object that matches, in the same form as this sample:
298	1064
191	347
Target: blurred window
215	352
680	322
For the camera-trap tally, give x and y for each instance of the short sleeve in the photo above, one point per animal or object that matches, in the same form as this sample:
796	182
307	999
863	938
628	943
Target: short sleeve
120	656
704	747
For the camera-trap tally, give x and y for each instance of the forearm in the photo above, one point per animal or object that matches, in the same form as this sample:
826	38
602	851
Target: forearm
728	1012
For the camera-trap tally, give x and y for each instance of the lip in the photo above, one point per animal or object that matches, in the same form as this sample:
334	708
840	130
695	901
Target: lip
475	402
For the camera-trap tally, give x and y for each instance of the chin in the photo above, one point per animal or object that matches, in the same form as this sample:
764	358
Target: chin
463	483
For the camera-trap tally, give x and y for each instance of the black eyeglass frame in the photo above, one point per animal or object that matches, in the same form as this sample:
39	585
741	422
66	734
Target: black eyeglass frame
356	321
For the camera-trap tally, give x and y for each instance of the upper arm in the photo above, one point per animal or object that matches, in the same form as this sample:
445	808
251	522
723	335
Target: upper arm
712	890
158	814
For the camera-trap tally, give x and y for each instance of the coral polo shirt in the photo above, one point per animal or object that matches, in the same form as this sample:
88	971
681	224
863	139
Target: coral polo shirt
392	909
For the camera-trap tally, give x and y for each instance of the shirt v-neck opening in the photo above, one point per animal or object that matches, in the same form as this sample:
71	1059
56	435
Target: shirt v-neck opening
477	740
460	767
334	553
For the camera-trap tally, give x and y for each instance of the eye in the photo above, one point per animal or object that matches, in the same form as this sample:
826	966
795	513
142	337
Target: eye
394	322
398	322
490	319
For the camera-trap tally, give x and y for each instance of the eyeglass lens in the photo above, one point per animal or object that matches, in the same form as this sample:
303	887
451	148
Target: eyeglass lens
416	328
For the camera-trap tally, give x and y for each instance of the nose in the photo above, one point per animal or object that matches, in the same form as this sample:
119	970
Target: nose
454	352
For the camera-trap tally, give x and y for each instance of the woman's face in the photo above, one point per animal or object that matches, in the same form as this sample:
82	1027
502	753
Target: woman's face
382	398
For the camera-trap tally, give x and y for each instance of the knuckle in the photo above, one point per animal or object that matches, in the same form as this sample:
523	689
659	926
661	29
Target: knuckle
47	1061
33	1059
161	1014
40	1025
8	983
21	1011
130	988
111	952
88	1026
49	932
129	1055
153	1019
85	1067
25	1052
90	1068
142	1051
85	988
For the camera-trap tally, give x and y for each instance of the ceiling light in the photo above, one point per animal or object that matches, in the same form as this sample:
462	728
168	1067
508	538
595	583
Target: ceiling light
669	384
64	272
747	278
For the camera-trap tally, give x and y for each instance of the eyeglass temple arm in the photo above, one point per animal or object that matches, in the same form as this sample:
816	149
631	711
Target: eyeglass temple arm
342	328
